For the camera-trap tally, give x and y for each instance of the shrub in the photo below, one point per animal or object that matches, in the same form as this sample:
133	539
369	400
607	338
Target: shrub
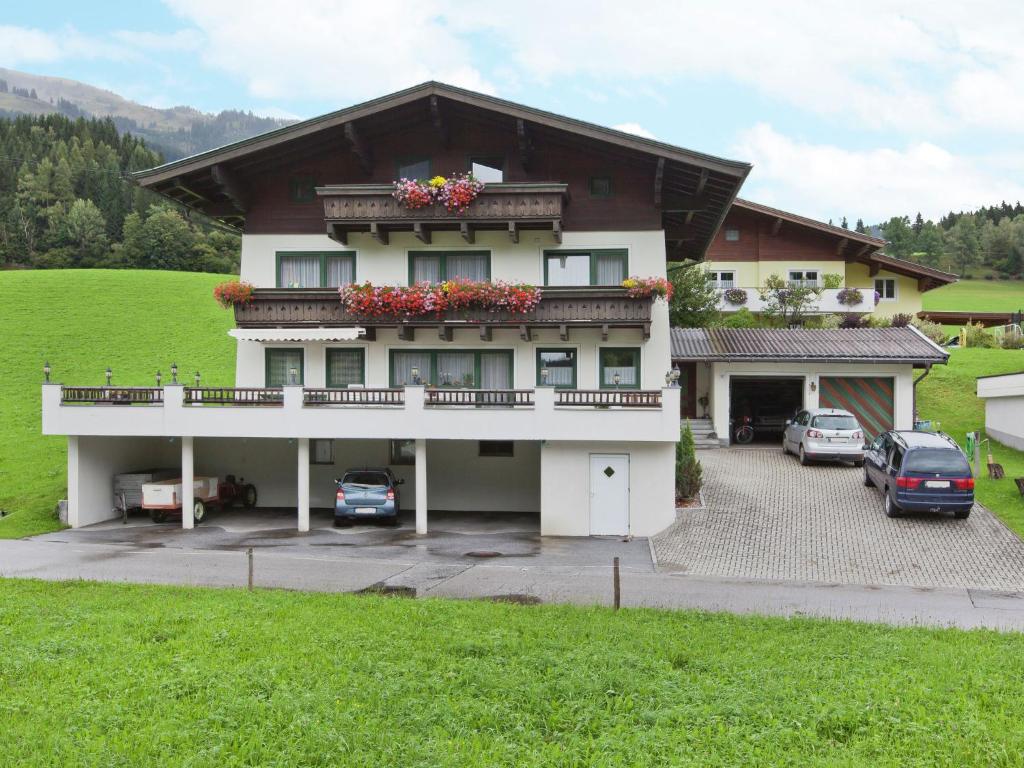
688	468
901	320
977	336
832	281
850	297
854	321
829	322
1012	341
878	321
741	318
735	296
933	331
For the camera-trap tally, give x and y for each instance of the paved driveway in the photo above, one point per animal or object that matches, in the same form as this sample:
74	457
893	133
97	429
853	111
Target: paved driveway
766	517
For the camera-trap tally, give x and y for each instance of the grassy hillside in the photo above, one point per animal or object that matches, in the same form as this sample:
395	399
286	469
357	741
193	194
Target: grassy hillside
977	295
947	396
82	321
103	674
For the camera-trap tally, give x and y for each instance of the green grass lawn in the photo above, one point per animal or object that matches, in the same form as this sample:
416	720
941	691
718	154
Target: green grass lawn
95	674
82	321
947	396
977	295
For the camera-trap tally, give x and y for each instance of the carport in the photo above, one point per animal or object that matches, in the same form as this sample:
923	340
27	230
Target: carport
769	373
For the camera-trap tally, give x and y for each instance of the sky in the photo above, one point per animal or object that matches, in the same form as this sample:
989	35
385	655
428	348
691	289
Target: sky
864	110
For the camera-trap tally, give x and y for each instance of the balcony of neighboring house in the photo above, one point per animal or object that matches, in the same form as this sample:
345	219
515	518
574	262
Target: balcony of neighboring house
415	411
509	207
561	308
732	298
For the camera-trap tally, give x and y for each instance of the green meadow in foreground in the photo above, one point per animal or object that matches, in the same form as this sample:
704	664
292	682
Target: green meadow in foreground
95	674
82	321
948	396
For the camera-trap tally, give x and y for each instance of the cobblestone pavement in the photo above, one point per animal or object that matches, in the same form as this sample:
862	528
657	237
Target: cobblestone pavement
766	517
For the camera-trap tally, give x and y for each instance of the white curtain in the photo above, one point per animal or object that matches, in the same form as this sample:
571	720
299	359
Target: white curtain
344	367
469	266
339	271
560	366
279	364
495	371
455	369
426	269
610	269
404	362
300	272
623	363
569	269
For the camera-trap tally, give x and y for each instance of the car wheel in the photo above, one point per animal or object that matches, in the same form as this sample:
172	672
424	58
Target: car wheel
891	510
803	457
340	522
785	448
867	479
394	522
962	514
250	496
198	511
158	516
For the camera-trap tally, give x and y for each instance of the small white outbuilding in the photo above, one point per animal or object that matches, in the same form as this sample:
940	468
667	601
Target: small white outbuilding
1004	407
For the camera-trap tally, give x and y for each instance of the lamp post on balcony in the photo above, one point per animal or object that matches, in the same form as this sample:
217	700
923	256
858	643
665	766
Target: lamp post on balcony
109	374
46	371
616	380
415	373
293	376
197	379
544	375
174	373
159	378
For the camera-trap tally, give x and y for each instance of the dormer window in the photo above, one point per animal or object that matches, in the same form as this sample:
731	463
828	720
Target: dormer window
414	168
732	234
301	189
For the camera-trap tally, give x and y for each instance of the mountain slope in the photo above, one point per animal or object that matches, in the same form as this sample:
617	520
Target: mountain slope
176	132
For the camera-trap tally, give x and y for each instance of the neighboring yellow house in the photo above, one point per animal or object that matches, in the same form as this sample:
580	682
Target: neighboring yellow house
755	242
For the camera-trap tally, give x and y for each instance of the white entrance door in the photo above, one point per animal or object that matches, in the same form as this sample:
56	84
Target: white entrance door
609	494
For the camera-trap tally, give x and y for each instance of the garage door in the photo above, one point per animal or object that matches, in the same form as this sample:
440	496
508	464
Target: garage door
869	398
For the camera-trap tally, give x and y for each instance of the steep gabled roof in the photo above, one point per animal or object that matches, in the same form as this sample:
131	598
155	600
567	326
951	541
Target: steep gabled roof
803	221
871	345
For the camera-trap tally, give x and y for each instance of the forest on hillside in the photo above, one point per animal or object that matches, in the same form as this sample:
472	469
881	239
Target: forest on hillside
66	200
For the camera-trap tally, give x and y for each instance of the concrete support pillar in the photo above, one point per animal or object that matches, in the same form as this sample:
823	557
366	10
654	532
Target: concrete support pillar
74	491
303	484
421	486
187	481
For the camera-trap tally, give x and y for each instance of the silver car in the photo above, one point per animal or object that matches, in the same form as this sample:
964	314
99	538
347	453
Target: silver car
824	434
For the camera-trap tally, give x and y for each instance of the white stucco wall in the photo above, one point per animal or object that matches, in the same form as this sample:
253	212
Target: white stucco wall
902	374
1004	408
565	486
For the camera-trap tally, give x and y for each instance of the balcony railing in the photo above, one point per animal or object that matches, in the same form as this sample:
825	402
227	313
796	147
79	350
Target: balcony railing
827	301
498	398
243	396
353	397
604	398
111	395
559	307
505	206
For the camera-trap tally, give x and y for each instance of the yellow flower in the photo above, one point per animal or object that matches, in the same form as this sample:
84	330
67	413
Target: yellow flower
629	282
438	181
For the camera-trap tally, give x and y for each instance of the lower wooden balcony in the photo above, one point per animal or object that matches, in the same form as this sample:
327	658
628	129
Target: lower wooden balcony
561	308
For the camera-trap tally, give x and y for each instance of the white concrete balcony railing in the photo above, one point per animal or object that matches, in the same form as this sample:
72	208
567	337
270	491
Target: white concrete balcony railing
827	302
413	412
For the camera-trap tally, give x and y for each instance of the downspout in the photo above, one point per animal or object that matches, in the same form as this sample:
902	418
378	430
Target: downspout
913	415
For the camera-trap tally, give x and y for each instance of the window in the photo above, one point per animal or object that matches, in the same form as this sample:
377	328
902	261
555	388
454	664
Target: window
604	267
402	452
438	266
280	363
560	365
732	234
886	288
301	189
600	186
619	368
321	451
452	368
722	279
489	170
345	367
328	269
414	168
496	448
803	278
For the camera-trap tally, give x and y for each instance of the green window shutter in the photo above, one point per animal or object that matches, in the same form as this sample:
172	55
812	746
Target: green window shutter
279	362
345	367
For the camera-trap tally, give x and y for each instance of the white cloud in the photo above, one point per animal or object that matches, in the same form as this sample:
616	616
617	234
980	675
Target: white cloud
636	129
20	46
340	50
826	181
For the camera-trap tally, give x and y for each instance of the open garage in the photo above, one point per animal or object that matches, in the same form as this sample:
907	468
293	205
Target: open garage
767	401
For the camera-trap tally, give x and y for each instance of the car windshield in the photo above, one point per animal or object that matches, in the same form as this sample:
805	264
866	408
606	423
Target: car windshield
834	422
366	479
937	460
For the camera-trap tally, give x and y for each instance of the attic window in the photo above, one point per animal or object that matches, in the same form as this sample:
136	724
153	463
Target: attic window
414	168
489	170
732	234
301	189
600	186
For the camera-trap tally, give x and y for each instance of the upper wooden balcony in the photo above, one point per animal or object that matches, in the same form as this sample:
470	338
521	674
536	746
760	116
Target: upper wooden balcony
507	207
560	307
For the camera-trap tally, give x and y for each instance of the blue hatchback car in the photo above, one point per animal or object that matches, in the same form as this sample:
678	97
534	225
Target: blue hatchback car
920	472
367	494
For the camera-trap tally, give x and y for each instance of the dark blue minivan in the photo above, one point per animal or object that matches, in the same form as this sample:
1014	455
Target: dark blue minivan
920	472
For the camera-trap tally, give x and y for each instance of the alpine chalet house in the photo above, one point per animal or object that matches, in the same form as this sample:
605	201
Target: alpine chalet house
489	344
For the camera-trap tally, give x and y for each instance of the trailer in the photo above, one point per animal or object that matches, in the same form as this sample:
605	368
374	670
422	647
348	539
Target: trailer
163	498
128	488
